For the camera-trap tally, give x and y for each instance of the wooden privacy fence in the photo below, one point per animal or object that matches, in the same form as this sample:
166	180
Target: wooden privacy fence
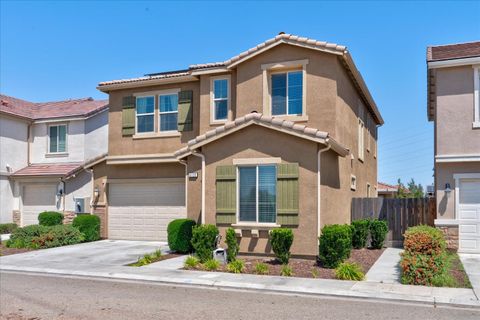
400	214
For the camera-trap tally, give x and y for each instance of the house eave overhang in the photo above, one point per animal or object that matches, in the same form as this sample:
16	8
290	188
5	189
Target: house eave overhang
142	159
145	82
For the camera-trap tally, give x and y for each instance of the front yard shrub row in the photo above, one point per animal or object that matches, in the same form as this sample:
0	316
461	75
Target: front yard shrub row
281	240
89	225
335	244
424	258
6	228
378	233
42	237
360	231
232	244
203	241
180	235
50	218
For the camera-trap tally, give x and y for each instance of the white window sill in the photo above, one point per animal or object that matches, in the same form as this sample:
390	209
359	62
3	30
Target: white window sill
476	125
445	222
56	155
257	226
218	122
302	118
153	135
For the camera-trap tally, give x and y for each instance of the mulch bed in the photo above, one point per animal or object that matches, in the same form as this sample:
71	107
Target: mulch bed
161	258
305	268
4	251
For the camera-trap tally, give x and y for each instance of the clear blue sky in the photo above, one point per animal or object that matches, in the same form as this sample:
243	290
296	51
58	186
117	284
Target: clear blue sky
60	50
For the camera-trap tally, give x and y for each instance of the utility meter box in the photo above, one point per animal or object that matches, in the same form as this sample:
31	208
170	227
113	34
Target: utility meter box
82	205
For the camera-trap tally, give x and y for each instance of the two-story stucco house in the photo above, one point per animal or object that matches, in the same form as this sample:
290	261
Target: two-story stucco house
43	150
454	106
284	134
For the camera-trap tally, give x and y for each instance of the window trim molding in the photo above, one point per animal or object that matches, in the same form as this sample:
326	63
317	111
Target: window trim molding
227	77
137	96
361	140
476	96
284	66
353	183
168	92
57	153
256	222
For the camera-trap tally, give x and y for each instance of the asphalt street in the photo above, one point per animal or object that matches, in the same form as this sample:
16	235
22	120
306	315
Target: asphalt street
29	296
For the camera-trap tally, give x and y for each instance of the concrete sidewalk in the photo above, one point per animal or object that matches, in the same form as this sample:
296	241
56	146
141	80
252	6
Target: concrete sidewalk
167	272
386	269
471	264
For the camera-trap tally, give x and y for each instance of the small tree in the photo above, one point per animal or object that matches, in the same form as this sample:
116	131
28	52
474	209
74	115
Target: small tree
412	190
233	247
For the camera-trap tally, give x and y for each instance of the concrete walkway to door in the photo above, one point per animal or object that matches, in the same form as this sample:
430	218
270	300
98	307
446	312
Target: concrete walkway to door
471	264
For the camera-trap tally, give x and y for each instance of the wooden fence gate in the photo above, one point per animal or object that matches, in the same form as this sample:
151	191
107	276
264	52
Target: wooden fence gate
400	214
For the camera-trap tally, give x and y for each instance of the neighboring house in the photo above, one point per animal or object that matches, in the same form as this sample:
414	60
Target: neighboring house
387	190
284	134
454	106
43	150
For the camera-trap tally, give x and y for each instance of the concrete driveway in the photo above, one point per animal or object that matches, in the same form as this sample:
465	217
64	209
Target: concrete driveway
98	255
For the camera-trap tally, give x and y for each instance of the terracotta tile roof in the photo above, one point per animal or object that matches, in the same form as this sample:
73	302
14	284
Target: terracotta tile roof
49	169
453	51
270	122
47	110
384	187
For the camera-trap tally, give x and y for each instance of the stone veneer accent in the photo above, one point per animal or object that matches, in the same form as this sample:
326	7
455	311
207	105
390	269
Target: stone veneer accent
101	212
451	235
16	217
68	217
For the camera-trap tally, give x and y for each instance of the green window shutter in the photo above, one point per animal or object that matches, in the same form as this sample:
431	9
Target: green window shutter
226	194
185	110
287	194
128	116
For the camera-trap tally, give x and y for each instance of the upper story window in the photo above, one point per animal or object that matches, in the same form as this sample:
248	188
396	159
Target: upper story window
57	138
257	193
361	139
145	114
220	98
287	93
168	112
476	82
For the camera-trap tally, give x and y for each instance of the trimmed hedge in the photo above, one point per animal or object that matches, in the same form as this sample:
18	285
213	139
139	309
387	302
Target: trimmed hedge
360	230
50	218
89	226
281	240
335	244
180	235
203	241
378	233
424	258
6	228
42	237
232	244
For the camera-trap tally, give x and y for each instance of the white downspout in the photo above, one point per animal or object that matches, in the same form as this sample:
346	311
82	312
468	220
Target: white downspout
319	185
202	213
186	183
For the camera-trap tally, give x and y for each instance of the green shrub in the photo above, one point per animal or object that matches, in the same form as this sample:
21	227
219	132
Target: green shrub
335	244
424	260
236	266
148	258
286	271
42	237
261	268
232	244
211	265
89	225
203	241
180	235
50	218
349	271
281	240
378	233
6	228
360	230
191	262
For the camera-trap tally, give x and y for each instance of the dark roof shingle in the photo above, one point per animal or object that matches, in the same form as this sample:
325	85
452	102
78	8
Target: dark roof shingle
453	51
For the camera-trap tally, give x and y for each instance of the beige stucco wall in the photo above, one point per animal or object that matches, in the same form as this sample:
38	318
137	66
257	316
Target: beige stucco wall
444	174
454	113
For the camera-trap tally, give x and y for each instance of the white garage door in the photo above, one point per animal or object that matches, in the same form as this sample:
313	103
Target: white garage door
469	215
142	210
37	198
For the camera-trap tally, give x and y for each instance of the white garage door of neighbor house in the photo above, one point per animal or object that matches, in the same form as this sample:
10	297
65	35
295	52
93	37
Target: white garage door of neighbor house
37	198
469	215
142	210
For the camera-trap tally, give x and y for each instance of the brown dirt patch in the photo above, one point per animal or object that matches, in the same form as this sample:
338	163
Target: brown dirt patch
457	272
4	251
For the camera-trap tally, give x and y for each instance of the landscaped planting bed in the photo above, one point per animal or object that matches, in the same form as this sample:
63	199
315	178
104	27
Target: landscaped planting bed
6	251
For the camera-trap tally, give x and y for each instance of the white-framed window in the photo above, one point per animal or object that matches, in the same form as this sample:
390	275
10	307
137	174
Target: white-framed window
476	95
287	93
361	139
168	111
220	98
57	138
257	193
369	134
375	141
353	182
145	114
